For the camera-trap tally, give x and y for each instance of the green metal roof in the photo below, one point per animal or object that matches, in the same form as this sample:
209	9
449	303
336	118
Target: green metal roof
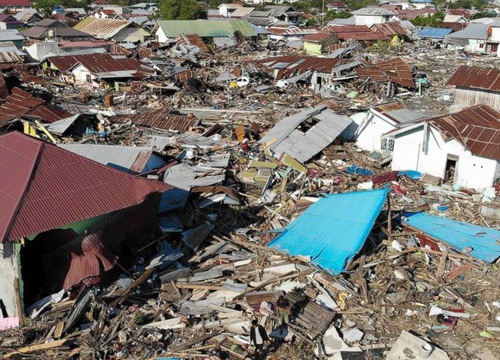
206	28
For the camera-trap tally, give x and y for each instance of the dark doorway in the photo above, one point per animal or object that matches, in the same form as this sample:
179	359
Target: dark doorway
451	167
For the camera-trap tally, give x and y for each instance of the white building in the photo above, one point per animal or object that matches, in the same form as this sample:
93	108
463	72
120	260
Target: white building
225	10
373	15
451	148
377	121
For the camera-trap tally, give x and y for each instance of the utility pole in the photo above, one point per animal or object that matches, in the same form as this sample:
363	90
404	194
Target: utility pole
322	14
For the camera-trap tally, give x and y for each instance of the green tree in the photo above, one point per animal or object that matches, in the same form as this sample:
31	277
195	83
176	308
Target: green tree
45	7
332	14
436	20
181	10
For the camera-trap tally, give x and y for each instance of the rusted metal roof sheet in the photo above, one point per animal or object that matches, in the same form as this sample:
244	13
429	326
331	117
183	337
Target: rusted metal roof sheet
102	28
195	40
85	261
477	128
398	71
21	102
160	119
95	63
390	28
318	37
44	187
476	78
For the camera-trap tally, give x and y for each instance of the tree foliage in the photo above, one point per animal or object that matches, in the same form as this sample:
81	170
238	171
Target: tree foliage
181	10
332	14
435	20
45	7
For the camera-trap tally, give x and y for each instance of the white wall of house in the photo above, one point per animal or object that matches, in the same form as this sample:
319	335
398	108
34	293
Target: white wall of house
369	20
160	35
476	46
10	272
411	152
371	127
82	75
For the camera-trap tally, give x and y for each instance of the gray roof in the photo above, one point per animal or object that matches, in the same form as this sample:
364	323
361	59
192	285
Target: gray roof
472	31
404	115
10	35
278	10
25	15
303	146
80	11
374	11
59	127
348	21
127	158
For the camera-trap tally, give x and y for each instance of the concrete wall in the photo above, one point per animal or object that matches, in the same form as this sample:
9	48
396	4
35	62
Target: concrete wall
371	128
312	48
369	20
9	274
412	153
160	35
80	74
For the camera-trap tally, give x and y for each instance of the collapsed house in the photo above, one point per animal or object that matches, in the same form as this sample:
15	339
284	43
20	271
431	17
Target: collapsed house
305	134
64	219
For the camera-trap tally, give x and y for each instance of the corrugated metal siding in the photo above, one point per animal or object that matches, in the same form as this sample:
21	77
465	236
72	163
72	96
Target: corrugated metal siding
472	97
55	187
333	229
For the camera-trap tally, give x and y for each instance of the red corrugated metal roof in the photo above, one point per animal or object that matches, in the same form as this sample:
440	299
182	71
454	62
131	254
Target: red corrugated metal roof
398	71
95	63
4	92
318	37
44	187
15	3
390	28
476	78
477	128
195	40
21	102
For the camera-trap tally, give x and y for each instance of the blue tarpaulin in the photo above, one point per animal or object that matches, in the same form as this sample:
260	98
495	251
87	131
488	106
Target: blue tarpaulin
355	169
333	229
433	33
485	242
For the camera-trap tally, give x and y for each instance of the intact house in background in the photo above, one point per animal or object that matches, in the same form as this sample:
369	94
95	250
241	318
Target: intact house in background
64	219
463	148
125	31
166	30
373	15
49	29
474	85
